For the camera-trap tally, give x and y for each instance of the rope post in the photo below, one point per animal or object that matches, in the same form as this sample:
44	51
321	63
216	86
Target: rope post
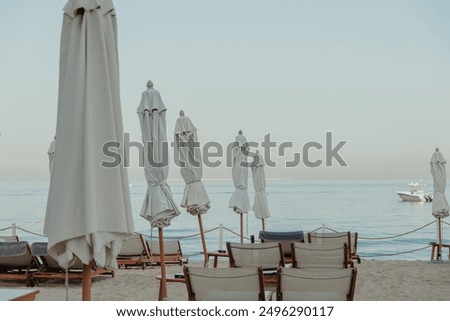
13	229
221	237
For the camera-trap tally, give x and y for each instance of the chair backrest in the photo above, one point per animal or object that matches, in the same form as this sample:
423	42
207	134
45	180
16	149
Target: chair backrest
134	245
316	284
313	255
332	238
266	255
171	247
17	255
284	238
224	284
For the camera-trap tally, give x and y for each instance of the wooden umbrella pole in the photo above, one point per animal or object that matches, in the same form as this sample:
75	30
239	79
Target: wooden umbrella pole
202	235
242	228
87	282
163	282
439	254
263	225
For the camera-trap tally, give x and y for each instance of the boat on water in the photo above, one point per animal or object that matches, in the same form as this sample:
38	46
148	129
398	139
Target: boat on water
415	194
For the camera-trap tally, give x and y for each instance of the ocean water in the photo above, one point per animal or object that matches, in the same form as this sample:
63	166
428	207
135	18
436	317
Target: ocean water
388	228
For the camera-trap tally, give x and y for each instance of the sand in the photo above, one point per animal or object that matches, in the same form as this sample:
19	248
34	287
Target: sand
377	281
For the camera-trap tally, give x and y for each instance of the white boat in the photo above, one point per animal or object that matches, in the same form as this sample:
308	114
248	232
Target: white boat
415	194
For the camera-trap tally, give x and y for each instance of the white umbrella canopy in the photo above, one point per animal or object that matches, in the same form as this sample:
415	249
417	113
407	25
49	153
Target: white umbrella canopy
195	199
261	205
440	206
187	149
239	201
88	209
158	208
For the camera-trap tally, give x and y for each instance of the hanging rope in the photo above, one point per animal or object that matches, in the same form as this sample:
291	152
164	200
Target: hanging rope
398	253
394	236
29	232
182	237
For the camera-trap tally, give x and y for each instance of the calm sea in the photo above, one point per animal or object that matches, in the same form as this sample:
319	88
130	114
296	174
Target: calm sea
388	228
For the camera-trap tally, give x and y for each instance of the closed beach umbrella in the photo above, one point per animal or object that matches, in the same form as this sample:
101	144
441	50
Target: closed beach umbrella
88	209
187	148
158	208
440	208
239	201
261	204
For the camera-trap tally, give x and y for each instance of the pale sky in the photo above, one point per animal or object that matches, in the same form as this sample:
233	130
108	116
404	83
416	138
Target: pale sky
376	73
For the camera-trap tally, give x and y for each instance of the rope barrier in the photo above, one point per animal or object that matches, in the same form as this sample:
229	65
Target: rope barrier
322	227
394	236
183	237
398	253
29	232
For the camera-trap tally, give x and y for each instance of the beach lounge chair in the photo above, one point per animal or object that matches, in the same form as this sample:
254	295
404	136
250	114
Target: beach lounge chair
17	262
134	252
268	256
332	238
316	255
50	269
224	284
172	252
316	284
285	239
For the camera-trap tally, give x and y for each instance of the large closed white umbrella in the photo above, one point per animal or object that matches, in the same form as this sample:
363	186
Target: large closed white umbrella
440	208
158	208
261	205
187	149
239	201
88	209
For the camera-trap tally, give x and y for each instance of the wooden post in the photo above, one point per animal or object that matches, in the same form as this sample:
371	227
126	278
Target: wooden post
87	282
163	283
439	252
242	228
202	234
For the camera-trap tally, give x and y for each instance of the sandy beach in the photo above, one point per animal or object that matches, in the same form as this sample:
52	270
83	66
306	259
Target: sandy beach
377	281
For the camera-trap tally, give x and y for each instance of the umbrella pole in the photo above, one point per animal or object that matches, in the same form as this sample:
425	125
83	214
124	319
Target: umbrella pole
263	225
163	282
87	282
242	228
202	234
439	253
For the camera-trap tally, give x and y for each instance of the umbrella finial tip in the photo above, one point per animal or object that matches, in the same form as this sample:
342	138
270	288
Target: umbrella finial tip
240	131
437	149
181	113
150	84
